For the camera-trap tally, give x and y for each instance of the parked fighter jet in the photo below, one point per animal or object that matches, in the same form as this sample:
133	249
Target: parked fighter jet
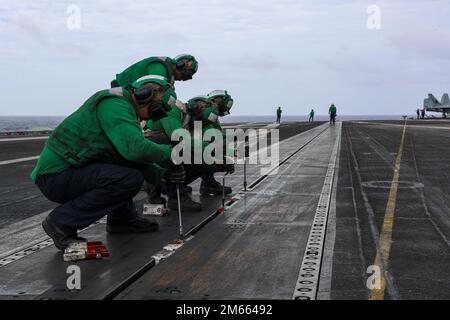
432	104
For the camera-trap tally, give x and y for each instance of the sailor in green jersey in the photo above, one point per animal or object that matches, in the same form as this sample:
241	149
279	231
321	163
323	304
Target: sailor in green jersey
206	109
161	132
332	112
208	113
221	103
311	116
180	68
96	160
279	114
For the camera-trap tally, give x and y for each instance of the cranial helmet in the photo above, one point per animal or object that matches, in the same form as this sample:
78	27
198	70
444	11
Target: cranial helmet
196	103
144	95
223	100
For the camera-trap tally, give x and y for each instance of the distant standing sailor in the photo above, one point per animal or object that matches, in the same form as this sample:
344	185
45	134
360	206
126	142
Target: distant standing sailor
279	114
332	111
311	116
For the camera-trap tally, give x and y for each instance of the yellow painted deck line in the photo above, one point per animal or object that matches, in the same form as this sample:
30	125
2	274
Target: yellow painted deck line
382	258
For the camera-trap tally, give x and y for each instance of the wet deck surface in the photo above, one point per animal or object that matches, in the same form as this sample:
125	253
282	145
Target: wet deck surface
418	266
256	248
20	280
21	199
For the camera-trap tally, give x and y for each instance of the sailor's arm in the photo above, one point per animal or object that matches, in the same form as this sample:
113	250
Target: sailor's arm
119	123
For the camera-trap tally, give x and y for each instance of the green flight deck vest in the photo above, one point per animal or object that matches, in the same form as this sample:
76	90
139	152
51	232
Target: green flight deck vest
139	69
80	139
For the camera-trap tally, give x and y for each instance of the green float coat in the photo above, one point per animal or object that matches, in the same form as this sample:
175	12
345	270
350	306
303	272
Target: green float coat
161	66
105	129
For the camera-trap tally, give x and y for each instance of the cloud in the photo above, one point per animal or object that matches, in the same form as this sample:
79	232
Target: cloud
31	28
316	51
28	25
423	43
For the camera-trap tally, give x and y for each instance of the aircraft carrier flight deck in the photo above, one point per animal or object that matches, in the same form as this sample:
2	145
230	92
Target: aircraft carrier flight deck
355	210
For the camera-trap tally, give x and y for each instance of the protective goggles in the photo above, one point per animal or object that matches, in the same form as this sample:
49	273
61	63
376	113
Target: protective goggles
193	105
225	102
160	110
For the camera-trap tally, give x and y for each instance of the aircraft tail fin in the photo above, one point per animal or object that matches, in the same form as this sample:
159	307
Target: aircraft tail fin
433	101
445	99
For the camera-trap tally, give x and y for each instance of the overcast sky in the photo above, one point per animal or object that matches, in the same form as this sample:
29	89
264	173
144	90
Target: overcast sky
293	53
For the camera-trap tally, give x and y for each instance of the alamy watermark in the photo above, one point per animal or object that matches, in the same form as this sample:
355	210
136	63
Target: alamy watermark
73	21
374	279
229	146
73	282
374	20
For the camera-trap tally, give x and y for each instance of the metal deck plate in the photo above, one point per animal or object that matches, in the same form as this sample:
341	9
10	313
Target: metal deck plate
255	250
131	255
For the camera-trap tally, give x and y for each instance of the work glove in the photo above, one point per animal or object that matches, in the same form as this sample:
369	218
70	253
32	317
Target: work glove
175	174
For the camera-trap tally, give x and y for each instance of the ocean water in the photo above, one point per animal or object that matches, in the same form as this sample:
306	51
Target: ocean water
32	123
28	123
294	118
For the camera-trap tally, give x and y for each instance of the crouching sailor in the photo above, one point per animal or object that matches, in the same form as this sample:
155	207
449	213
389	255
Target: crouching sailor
96	161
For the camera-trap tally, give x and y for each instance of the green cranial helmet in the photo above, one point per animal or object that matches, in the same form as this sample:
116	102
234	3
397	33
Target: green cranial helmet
144	94
223	101
150	78
195	104
181	65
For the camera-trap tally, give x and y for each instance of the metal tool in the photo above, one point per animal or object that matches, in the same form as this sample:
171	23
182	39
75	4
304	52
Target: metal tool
179	211
245	173
246	155
223	190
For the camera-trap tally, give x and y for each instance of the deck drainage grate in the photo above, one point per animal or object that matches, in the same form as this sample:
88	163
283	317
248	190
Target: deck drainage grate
307	289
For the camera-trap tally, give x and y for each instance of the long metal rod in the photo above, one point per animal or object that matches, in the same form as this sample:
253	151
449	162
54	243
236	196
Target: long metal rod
223	190
179	211
245	174
246	155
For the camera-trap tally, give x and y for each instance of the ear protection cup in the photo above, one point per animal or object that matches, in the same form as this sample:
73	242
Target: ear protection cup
143	94
191	107
186	72
180	64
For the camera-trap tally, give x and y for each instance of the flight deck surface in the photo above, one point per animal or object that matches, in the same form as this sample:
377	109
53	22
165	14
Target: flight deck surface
355	195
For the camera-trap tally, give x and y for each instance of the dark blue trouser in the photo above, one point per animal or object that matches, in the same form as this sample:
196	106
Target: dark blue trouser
332	117
88	193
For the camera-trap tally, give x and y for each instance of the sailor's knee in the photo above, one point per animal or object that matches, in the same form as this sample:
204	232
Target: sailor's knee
133	180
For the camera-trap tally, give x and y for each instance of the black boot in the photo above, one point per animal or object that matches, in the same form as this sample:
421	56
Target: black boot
154	194
137	225
60	239
187	204
208	187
